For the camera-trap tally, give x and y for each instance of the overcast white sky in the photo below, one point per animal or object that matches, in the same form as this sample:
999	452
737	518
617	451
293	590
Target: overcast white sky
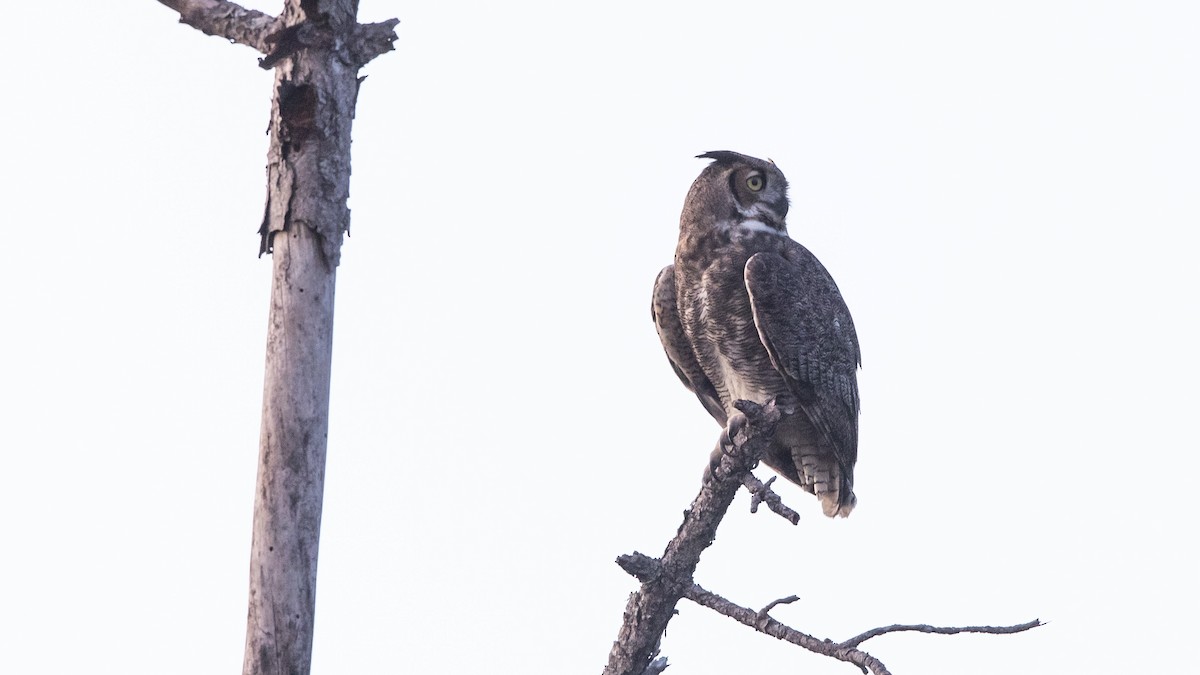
1007	195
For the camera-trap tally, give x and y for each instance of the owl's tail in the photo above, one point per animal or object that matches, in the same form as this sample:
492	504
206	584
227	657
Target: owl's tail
822	475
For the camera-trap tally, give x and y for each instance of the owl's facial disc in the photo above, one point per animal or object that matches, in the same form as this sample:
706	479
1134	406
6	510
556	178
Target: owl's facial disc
749	193
759	195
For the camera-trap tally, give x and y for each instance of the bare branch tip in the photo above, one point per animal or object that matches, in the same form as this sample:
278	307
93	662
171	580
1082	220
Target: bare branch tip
761	492
762	613
640	566
656	666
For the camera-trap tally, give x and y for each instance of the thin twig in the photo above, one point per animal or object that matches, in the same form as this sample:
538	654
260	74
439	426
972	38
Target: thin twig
762	613
762	493
843	651
940	630
775	629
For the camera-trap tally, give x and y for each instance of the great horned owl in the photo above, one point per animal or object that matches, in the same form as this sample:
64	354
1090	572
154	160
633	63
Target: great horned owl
747	313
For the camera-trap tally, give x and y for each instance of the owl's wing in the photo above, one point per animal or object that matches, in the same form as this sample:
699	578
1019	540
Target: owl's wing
664	309
807	330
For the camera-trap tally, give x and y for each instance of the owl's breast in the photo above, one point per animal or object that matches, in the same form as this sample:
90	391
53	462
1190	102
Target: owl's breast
725	338
736	382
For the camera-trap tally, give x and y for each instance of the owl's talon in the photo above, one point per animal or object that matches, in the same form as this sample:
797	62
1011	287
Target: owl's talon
737	424
731	435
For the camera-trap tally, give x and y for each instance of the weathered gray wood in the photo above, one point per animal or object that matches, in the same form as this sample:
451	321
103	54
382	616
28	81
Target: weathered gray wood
316	48
308	178
291	469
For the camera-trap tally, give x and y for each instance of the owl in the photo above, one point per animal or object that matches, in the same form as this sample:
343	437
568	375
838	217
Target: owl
748	313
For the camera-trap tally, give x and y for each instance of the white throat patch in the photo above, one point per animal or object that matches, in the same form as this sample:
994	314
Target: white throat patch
757	226
750	221
748	225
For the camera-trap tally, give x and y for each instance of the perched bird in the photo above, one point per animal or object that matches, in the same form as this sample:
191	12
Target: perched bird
747	313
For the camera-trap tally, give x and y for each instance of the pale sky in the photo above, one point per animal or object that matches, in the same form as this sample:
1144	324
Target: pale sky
1008	196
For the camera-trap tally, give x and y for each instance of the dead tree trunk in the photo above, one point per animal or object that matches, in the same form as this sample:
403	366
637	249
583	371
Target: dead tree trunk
316	48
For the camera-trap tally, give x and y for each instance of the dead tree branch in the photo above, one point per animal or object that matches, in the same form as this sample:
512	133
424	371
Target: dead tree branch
843	651
277	40
228	20
761	493
665	581
646	568
763	623
940	630
652	606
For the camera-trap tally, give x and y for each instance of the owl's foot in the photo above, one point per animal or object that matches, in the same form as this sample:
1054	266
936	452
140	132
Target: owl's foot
751	422
727	441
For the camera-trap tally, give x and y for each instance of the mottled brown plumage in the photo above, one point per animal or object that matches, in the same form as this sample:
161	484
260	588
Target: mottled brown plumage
747	313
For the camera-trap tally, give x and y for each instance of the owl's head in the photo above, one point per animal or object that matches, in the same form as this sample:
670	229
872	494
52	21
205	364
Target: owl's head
738	193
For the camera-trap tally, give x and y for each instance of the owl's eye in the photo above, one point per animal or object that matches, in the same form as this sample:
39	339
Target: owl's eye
755	182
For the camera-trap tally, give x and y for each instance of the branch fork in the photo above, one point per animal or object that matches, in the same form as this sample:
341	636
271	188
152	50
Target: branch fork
358	45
